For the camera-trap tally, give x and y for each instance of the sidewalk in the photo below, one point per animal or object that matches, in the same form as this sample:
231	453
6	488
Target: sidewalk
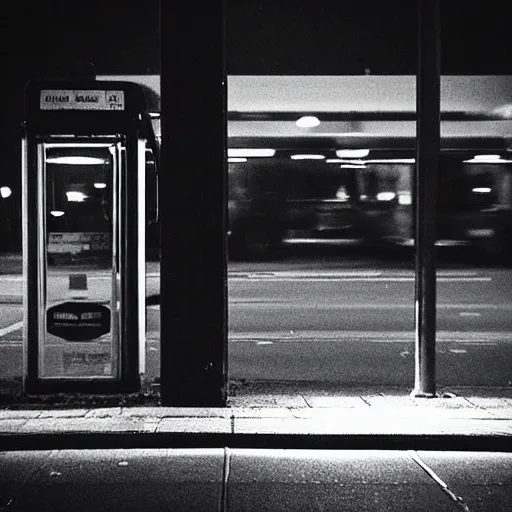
467	412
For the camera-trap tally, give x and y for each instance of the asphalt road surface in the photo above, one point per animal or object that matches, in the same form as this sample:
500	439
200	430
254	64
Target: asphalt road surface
351	325
357	326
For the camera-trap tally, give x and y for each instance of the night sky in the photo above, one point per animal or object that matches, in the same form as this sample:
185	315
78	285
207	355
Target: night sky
323	37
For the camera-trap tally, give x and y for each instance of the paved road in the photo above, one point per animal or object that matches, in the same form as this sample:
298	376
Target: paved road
367	300
346	325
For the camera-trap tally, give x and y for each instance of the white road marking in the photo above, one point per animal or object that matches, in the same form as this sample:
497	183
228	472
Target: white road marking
284	304
11	328
305	273
484	338
376	279
469	313
351	275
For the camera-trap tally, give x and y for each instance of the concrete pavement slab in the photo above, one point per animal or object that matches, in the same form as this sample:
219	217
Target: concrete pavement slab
104	412
489	402
335	401
11	425
268	400
504	413
223	425
7	414
176	412
116	424
259	412
271	426
64	413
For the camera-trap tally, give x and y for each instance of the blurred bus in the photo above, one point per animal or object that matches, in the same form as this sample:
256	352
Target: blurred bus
359	190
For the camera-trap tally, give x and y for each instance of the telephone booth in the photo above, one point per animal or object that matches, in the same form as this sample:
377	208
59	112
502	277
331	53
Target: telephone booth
84	166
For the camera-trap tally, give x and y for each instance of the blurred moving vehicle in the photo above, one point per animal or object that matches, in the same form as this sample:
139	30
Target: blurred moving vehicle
360	190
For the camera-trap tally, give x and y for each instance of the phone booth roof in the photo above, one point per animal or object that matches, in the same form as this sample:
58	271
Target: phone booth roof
87	107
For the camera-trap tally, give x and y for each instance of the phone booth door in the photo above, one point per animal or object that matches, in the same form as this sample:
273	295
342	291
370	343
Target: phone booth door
79	240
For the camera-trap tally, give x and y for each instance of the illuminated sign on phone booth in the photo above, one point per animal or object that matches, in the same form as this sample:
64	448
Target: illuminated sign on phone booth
84	153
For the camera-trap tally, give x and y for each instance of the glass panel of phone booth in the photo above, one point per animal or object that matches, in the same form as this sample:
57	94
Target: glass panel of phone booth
79	267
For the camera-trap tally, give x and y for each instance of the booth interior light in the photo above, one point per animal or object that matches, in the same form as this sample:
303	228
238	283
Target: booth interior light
251	152
75	196
390	161
307	122
100	185
307	156
352	153
237	159
487	159
386	196
76	160
57	213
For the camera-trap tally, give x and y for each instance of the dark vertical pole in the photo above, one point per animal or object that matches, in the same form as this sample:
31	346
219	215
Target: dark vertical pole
129	268
427	163
192	195
31	276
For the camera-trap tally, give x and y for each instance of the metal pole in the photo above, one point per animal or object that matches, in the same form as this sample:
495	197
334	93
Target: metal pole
427	167
193	205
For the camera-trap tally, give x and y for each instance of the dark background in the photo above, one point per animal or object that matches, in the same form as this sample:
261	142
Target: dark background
324	37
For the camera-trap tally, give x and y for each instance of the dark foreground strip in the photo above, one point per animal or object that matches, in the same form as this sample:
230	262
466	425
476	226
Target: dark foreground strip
127	440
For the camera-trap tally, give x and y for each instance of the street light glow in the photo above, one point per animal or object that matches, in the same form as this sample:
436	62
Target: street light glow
5	192
307	122
251	152
487	159
352	153
307	157
386	196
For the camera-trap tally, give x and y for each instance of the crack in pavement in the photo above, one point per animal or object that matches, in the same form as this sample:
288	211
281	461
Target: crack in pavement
444	487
